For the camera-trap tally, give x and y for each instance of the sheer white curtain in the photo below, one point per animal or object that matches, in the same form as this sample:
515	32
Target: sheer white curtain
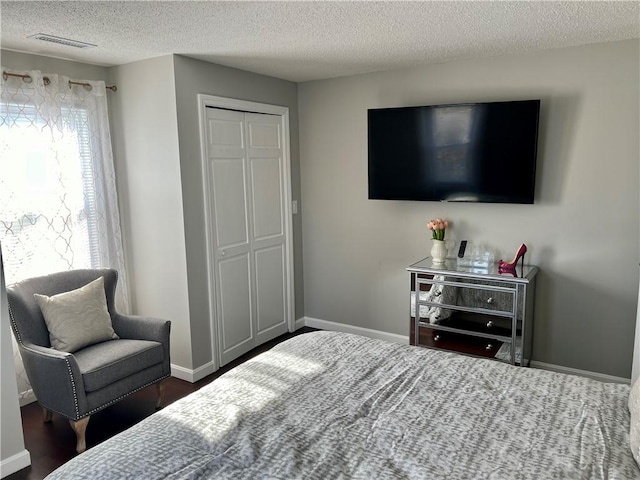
58	203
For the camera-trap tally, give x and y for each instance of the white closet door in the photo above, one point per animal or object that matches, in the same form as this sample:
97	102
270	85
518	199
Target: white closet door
246	155
268	241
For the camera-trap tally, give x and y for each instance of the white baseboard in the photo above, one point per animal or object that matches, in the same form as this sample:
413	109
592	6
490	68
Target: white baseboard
365	332
192	376
15	463
602	377
392	337
299	323
199	373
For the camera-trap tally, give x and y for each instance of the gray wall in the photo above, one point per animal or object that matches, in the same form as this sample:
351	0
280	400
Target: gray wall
26	61
191	78
145	139
13	455
582	230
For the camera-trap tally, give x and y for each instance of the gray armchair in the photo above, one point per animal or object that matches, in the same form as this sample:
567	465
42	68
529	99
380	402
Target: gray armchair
81	383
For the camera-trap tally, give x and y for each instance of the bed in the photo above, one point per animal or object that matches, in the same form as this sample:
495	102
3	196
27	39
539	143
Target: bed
328	405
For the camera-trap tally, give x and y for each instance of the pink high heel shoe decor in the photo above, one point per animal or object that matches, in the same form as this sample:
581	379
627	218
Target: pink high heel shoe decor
510	267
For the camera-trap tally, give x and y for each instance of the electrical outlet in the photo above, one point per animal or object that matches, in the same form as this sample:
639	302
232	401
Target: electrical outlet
294	207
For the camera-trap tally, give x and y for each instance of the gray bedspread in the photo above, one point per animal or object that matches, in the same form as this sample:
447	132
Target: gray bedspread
328	405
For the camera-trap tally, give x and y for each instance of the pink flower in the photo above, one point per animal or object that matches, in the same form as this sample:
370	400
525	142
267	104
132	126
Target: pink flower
438	227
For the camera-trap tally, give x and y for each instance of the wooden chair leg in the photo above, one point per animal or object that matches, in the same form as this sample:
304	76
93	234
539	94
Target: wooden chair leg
80	427
160	389
47	415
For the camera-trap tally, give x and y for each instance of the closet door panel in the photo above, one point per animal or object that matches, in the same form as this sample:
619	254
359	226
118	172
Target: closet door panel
266	184
226	149
234	307
265	158
270	293
230	198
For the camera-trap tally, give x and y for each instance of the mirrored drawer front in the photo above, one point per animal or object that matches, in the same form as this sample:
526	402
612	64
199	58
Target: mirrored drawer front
467	294
461	343
482	324
498	301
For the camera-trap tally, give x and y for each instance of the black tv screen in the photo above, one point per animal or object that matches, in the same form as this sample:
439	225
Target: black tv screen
474	152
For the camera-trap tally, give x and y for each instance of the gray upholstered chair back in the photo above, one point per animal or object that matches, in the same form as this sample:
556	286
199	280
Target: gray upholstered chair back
26	317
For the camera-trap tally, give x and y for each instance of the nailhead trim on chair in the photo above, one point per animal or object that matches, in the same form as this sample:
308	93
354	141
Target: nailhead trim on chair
101	407
91	412
97	409
15	327
73	383
73	387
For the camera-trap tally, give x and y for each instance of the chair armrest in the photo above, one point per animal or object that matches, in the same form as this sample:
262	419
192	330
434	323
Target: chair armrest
141	328
56	380
137	327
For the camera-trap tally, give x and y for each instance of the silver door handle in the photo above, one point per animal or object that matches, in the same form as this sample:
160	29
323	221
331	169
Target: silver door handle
223	253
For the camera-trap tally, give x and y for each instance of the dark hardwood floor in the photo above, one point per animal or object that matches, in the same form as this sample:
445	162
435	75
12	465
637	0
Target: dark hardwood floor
52	444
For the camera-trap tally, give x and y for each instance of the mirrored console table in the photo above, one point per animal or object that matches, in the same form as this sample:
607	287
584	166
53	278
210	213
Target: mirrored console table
473	310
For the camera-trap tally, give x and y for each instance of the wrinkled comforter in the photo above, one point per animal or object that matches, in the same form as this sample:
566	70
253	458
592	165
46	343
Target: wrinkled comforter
327	405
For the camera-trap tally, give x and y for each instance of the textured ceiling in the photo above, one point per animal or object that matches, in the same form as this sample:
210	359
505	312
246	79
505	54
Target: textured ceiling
311	40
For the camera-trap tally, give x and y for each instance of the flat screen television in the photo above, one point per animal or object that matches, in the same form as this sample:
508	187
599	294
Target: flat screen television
472	152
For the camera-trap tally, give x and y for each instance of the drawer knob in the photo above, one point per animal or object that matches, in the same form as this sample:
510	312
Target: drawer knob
490	300
489	324
436	338
489	347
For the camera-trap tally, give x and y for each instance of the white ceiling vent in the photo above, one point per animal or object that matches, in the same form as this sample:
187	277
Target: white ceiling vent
61	41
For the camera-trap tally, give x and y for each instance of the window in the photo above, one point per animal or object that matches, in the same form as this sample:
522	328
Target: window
58	204
47	203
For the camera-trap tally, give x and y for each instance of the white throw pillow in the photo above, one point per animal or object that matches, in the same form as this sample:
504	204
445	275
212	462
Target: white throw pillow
77	318
634	409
